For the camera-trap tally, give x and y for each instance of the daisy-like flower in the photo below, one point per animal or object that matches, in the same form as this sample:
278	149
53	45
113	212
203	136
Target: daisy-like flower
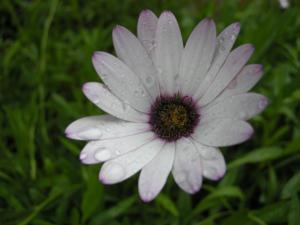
171	106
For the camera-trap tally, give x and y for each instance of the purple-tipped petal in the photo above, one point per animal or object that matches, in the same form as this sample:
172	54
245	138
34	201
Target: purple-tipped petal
244	81
104	126
106	149
225	41
154	175
233	64
146	30
102	97
197	56
130	163
241	107
131	51
187	169
213	163
121	81
168	51
223	132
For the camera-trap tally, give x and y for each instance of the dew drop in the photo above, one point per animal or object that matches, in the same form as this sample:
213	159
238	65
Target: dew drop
112	172
91	133
211	172
149	80
102	155
208	154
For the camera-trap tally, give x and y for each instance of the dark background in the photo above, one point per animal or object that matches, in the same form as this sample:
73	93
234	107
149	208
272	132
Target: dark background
45	57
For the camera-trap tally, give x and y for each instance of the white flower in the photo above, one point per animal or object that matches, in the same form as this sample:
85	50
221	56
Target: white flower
170	106
284	4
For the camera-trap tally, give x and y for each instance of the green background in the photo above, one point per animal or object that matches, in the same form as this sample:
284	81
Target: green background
45	56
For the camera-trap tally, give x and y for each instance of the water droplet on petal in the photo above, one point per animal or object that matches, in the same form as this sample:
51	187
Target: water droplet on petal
92	133
112	172
117	152
208	154
211	172
102	155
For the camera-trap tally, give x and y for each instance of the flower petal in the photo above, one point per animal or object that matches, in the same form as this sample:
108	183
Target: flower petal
187	169
103	150
213	162
119	169
121	81
225	42
146	29
104	126
168	51
130	50
233	64
197	56
101	96
222	132
154	175
244	81
241	107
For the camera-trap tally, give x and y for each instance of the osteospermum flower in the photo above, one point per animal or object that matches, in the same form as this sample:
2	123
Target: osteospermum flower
171	106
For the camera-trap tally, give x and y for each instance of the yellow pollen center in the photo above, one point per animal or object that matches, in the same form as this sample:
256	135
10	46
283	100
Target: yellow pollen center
174	116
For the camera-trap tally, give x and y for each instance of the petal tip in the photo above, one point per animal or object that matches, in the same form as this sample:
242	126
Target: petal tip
146	12
147	197
237	26
85	88
263	103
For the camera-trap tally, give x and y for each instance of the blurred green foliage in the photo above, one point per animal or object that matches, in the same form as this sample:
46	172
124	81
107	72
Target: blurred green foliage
46	48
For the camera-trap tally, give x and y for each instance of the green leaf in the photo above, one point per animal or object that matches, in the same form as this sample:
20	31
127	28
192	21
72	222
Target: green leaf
291	187
92	196
258	155
294	213
167	204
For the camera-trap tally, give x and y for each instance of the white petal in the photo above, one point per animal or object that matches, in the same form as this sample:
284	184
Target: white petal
146	29
168	51
154	175
225	42
121	168
233	64
103	150
104	126
240	107
213	162
121	81
197	56
187	169
131	51
101	96
244	81
222	132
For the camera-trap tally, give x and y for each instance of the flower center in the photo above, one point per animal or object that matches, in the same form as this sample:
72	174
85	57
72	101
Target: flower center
173	117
